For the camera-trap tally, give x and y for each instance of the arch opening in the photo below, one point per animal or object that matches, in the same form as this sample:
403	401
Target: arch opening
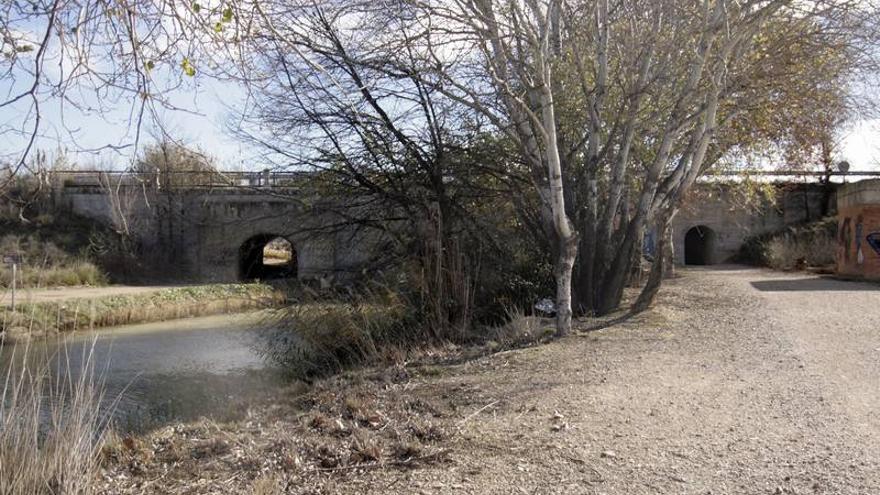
699	245
266	257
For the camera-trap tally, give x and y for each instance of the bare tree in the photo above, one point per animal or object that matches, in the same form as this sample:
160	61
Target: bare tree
645	91
616	107
91	59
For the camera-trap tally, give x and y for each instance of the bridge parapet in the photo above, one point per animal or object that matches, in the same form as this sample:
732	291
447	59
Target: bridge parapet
177	179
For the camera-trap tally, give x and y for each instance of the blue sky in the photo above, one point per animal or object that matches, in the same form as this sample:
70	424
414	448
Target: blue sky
203	122
205	108
204	125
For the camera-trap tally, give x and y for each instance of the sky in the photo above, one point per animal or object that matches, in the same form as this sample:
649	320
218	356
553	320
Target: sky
205	109
200	122
860	145
203	124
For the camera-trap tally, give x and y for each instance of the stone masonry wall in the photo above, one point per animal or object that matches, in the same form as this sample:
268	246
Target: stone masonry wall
720	210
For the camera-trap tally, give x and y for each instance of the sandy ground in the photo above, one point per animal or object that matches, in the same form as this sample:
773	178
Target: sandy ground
59	294
742	381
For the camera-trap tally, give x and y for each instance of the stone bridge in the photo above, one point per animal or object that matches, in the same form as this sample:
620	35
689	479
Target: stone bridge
216	231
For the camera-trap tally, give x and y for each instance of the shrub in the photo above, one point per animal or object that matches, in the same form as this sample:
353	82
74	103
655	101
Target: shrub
45	264
811	244
317	338
74	273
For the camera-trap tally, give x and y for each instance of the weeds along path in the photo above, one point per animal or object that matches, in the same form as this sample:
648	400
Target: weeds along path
742	381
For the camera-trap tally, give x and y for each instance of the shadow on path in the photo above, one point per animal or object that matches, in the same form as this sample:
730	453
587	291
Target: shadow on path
812	284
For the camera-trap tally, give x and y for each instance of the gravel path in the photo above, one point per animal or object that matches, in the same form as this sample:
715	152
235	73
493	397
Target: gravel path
742	381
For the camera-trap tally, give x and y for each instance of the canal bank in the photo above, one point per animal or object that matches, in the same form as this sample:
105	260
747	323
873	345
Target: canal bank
49	312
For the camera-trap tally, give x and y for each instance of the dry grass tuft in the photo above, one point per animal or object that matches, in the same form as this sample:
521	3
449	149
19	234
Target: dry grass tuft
268	484
319	338
46	318
365	449
519	330
52	432
795	247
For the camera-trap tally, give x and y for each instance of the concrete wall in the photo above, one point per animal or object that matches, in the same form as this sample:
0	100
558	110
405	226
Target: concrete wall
198	233
858	234
721	210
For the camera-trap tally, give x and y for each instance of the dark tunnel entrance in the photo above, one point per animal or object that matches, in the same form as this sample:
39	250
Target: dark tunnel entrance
265	257
699	244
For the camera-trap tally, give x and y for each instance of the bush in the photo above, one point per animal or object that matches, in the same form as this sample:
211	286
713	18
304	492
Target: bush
45	264
812	244
74	273
317	338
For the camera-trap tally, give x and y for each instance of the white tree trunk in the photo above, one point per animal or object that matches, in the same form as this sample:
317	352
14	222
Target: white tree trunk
565	233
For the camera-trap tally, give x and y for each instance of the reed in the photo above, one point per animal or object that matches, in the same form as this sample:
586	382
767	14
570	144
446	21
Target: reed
52	427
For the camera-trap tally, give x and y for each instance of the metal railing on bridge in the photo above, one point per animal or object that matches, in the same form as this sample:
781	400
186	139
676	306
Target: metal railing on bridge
162	179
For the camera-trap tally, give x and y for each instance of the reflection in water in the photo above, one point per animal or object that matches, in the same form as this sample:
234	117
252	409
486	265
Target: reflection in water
171	371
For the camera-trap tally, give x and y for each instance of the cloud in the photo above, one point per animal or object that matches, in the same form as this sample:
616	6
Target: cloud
861	145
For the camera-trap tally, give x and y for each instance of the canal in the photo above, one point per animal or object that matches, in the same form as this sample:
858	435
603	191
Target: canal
158	373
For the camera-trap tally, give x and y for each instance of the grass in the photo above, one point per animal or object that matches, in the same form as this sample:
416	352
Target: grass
31	319
51	428
76	273
56	252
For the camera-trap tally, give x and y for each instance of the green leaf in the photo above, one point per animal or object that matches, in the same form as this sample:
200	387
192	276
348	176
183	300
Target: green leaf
188	68
196	7
218	27
150	65
227	14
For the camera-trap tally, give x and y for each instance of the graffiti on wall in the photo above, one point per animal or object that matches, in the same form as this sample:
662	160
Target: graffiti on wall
851	239
874	241
860	257
844	237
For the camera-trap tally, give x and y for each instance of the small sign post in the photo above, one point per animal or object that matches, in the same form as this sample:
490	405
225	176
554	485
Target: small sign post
13	260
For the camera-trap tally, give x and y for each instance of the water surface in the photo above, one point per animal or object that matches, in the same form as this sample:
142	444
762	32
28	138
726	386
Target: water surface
158	373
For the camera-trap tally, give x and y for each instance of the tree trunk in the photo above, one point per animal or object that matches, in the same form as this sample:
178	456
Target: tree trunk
658	268
564	268
566	235
584	292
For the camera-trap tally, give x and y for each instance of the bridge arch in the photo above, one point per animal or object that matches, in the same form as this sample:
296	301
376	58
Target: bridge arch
267	256
699	246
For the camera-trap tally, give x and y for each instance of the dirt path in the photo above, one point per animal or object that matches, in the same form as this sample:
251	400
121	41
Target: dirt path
59	294
744	381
